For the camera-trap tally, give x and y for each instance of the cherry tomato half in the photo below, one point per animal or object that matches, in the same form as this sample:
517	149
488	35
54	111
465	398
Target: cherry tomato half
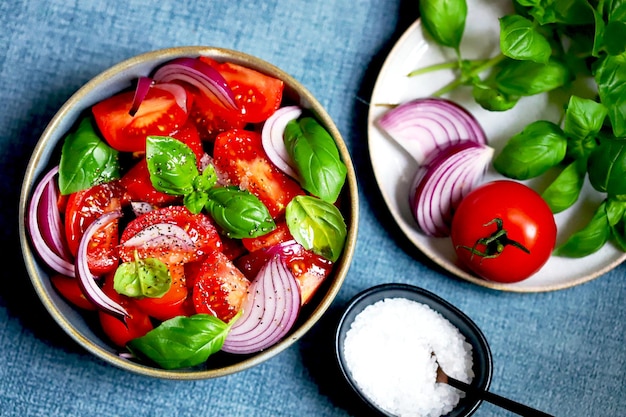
503	231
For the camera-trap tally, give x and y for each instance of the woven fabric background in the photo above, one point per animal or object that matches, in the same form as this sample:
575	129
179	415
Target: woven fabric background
563	352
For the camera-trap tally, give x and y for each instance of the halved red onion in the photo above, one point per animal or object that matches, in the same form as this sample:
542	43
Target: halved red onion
86	279
45	226
424	125
443	180
199	74
269	310
273	138
162	234
141	90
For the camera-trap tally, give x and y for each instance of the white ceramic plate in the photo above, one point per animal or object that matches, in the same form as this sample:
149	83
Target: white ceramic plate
394	168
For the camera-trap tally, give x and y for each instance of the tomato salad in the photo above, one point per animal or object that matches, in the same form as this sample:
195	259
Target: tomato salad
197	212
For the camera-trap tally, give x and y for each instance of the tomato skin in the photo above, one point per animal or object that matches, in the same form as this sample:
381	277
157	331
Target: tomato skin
83	208
70	290
239	154
257	95
136	325
527	220
279	234
159	114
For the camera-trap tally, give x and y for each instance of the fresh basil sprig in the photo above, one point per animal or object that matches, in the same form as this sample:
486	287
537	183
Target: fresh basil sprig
142	278
317	225
317	159
173	170
86	160
182	342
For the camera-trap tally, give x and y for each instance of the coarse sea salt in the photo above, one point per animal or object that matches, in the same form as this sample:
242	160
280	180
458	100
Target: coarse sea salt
388	351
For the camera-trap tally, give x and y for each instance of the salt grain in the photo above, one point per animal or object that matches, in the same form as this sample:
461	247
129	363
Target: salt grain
388	351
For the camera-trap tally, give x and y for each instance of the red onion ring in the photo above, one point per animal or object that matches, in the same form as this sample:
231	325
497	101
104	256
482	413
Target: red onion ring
45	226
269	310
141	90
272	137
179	93
162	234
86	279
199	74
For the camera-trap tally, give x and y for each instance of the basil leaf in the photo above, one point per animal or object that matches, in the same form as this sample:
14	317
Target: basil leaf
583	117
519	39
142	278
182	341
317	225
86	160
563	192
317	160
607	166
527	78
616	214
610	76
590	238
539	147
444	20
172	165
240	213
615	38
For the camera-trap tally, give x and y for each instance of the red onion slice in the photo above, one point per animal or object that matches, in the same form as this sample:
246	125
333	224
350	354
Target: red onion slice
199	74
162	234
269	310
86	279
45	226
425	125
141	91
179	93
443	180
273	138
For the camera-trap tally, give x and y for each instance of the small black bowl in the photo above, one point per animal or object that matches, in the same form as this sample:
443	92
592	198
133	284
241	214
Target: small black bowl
481	353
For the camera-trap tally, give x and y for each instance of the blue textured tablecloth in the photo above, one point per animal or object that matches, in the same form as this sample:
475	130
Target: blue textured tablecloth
561	351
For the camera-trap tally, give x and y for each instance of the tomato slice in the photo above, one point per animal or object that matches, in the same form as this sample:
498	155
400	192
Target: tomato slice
199	227
71	291
257	95
121	332
159	114
219	287
83	208
239	155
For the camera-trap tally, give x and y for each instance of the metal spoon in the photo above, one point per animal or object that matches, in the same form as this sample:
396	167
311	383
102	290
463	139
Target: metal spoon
513	406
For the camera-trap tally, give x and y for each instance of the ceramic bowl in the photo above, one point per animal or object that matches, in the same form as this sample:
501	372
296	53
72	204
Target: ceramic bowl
481	353
83	329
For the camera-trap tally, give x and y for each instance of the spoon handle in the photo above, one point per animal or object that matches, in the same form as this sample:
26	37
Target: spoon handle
514	406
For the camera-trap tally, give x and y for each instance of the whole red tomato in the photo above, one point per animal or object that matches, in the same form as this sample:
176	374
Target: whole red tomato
503	231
